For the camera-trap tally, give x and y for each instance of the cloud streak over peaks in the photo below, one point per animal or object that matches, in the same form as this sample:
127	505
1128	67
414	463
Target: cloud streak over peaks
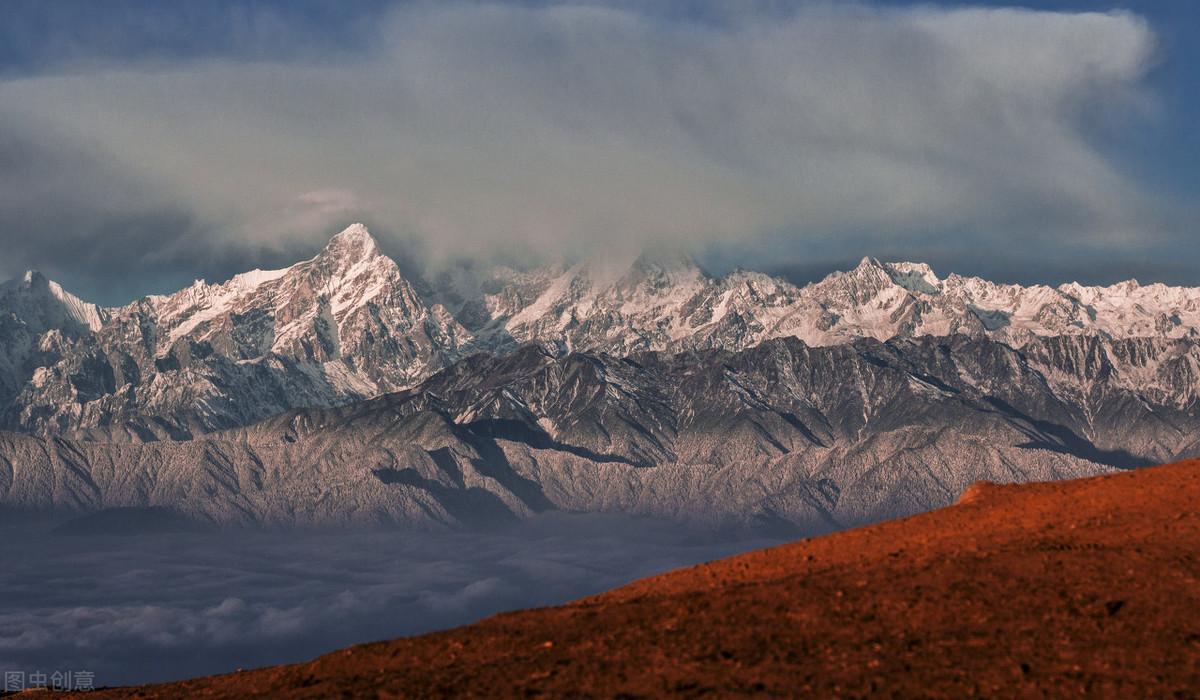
477	127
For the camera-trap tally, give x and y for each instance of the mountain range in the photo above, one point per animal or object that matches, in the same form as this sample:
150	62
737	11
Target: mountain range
341	389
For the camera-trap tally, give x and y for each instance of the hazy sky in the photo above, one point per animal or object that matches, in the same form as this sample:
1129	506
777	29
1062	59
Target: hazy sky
145	144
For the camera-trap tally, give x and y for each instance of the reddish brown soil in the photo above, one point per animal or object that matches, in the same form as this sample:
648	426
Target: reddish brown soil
1089	588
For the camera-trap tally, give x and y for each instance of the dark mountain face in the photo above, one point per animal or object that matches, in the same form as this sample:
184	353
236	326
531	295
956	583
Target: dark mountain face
780	435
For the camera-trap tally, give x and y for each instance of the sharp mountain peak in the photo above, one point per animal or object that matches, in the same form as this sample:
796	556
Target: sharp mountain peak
354	243
58	306
355	234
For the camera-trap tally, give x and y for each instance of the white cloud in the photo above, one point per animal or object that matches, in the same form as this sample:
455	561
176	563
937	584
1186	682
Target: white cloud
480	126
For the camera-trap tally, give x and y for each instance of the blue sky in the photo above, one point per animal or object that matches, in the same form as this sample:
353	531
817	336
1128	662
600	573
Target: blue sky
144	144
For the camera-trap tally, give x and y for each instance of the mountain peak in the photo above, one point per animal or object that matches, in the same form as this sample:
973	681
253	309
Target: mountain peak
354	241
34	282
27	282
355	232
33	278
39	290
868	271
868	263
915	277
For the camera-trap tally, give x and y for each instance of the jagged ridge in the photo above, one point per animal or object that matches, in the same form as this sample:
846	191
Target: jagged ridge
782	435
347	325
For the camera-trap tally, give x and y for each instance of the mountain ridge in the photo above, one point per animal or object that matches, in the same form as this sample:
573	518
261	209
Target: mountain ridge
783	436
347	325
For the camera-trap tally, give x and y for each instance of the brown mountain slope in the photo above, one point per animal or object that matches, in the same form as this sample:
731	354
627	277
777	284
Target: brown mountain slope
1057	589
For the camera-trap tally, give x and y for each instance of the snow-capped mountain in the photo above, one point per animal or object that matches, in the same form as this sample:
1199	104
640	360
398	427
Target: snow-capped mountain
674	305
38	319
342	326
348	310
347	325
339	390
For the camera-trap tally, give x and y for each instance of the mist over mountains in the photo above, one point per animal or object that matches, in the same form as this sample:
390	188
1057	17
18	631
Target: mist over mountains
342	390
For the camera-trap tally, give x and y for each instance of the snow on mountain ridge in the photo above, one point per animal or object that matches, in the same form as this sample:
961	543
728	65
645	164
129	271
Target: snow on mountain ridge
35	288
341	326
346	324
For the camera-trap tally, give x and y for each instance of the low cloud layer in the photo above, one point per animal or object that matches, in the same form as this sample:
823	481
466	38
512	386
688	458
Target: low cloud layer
468	128
155	607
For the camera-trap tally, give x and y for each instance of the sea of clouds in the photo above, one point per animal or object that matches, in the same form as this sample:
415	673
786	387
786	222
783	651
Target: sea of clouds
159	606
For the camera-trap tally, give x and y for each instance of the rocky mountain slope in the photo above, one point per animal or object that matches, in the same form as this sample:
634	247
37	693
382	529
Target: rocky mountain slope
783	436
342	326
347	325
1080	588
38	321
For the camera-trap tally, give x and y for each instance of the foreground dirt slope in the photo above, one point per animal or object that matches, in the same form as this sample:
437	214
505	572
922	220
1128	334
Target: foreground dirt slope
1057	589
